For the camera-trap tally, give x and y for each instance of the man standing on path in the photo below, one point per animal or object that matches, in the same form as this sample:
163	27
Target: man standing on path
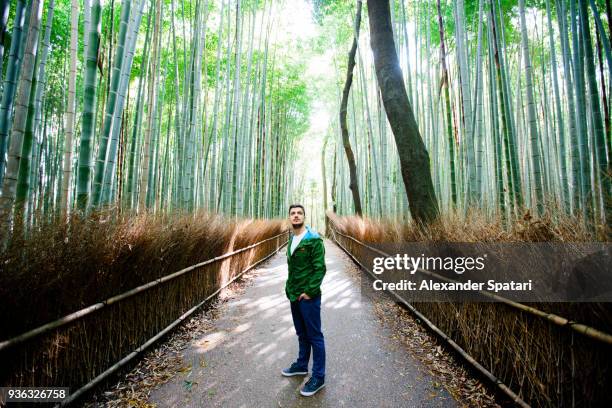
306	261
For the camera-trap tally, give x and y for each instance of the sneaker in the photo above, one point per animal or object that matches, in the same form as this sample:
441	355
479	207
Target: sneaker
313	385
293	370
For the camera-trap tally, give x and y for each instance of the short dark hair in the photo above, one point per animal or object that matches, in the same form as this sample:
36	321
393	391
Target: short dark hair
297	206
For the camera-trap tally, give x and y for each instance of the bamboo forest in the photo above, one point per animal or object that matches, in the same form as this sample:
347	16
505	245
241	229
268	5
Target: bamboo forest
163	105
150	151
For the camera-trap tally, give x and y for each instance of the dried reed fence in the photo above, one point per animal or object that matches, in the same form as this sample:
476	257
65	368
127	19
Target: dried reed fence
82	346
539	358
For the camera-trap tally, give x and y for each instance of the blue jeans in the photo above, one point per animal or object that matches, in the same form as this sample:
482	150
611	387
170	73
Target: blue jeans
307	321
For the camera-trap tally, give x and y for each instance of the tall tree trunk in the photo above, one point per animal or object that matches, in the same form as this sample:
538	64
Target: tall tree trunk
21	112
353	184
144	180
10	81
74	34
536	165
23	181
575	194
4	14
324	175
445	82
479	112
581	113
558	113
89	104
495	129
116	93
465	92
23	175
603	40
334	201
414	159
599	148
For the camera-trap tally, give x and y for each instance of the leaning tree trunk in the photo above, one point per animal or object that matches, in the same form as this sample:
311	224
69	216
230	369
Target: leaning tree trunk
114	79
414	159
122	67
353	184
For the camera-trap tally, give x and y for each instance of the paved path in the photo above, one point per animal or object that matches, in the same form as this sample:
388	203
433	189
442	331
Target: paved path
238	363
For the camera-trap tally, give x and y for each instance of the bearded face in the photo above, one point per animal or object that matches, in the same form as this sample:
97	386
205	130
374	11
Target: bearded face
296	217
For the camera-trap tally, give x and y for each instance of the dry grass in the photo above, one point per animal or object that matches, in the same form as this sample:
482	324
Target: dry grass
60	268
473	227
97	257
546	365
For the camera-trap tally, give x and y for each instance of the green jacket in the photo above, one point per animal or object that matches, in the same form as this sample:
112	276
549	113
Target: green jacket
306	266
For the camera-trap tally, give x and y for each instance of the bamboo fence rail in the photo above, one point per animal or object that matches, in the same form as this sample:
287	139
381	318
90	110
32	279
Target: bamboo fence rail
97	306
551	317
471	360
506	377
40	341
90	385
